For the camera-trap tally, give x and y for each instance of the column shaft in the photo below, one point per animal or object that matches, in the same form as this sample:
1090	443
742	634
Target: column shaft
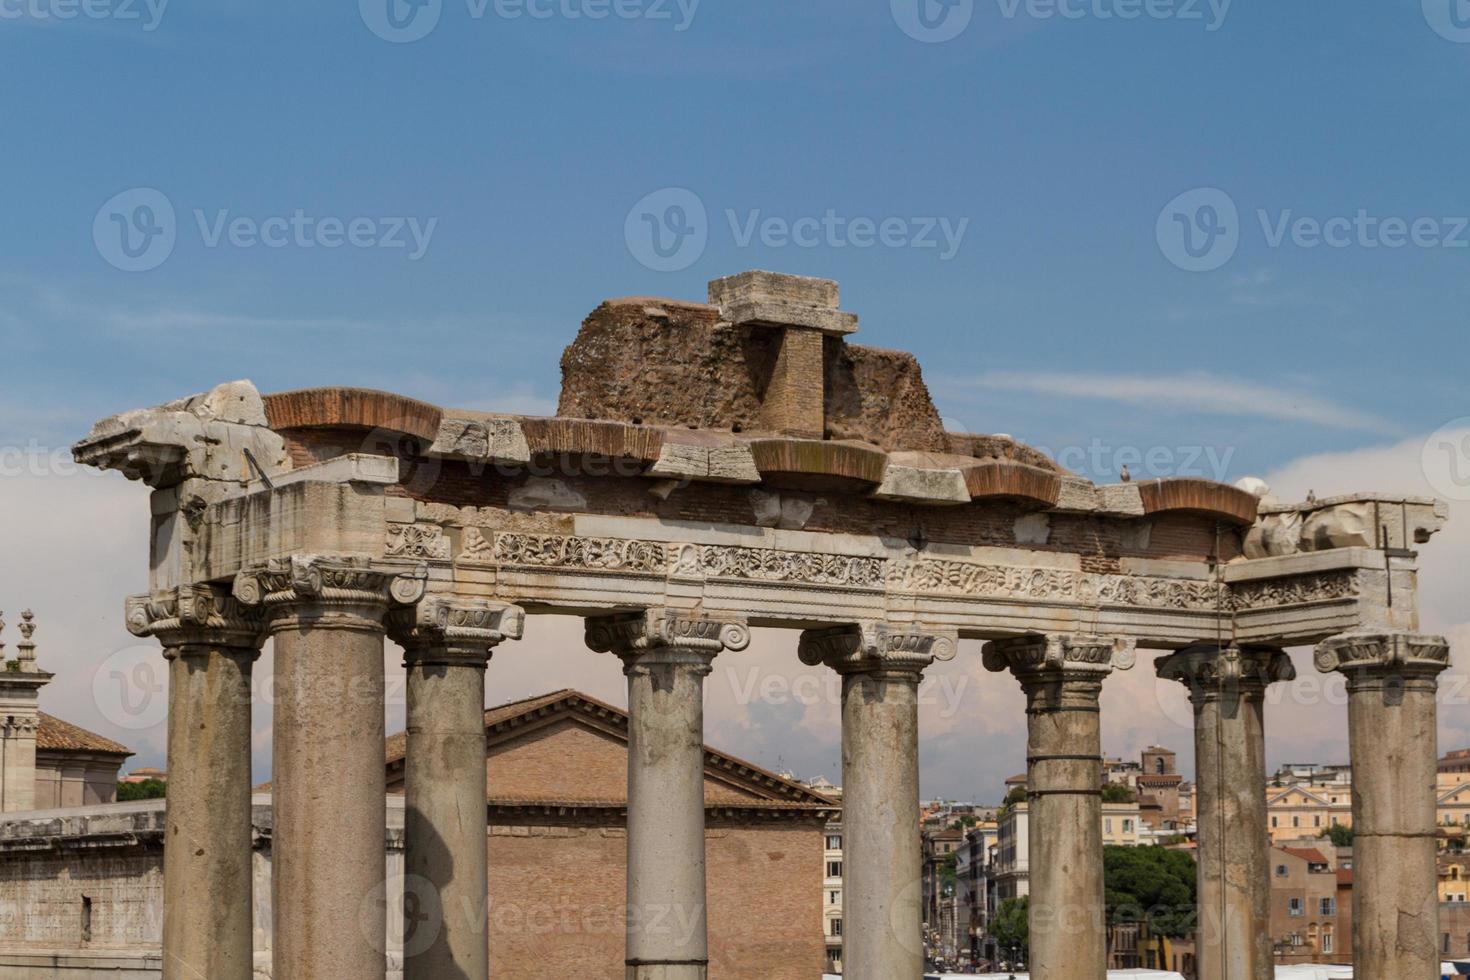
882	928
882	889
666	873
207	875
211	643
445	831
1062	677
1392	732
1064	785
1227	688
329	896
666	654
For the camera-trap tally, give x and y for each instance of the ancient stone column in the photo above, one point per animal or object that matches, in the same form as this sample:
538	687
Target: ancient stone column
1062	677
329	899
666	654
211	643
1227	686
1391	683
880	664
447	643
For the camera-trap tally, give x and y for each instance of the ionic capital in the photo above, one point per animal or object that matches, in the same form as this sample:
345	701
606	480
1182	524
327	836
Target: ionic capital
1212	672
450	629
1059	657
1387	654
876	647
195	615
344	592
674	636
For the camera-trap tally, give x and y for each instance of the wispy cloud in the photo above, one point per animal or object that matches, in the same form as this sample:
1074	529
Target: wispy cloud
1198	392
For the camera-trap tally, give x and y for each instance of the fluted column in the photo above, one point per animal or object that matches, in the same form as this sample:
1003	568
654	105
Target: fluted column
1227	687
211	644
1391	682
1063	677
328	898
881	665
447	643
666	655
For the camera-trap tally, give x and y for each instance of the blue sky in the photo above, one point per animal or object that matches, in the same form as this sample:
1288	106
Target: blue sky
523	146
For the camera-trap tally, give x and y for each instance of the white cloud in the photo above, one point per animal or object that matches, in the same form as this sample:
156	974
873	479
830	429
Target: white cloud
1197	392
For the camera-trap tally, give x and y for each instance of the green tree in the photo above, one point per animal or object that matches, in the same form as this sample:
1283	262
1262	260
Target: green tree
1011	926
1118	793
1016	795
148	789
1151	885
1339	835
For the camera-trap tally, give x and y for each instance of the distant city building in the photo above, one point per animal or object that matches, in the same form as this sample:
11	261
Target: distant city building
1456	761
1311	907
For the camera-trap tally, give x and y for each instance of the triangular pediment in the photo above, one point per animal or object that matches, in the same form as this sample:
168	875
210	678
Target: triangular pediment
566	747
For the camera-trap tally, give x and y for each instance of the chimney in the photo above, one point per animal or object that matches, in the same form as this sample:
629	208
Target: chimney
805	311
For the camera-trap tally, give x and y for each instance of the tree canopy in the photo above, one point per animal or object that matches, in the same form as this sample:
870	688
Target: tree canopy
1155	885
148	789
1011	926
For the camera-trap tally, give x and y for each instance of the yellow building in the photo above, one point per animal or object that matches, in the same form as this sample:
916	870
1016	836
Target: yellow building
1454	799
1303	810
1121	824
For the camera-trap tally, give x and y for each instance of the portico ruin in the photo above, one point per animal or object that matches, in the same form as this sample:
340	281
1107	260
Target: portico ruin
715	467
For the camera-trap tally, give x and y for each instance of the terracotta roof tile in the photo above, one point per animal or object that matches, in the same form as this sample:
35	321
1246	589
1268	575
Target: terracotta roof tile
57	735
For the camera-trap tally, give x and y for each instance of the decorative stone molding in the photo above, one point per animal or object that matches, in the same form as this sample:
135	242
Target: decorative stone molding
344	591
442	626
632	636
196	615
416	541
1214	672
1385	654
874	647
556	551
1057	656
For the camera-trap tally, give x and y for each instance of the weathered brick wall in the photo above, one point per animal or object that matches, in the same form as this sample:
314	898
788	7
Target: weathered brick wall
558	895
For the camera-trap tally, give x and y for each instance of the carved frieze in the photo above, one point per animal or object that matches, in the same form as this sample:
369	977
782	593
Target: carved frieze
764	564
1294	590
416	541
558	551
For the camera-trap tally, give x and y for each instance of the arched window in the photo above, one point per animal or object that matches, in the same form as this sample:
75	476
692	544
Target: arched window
1159	765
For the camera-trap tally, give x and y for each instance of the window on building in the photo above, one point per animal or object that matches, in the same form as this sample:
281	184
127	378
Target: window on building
86	919
834	869
1127	826
1108	824
834	842
1326	906
1317	820
1275	822
1296	821
1281	871
1327	940
836	927
1295	906
1159	766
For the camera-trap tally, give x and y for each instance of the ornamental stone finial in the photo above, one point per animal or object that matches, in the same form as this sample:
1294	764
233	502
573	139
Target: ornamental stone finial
461	628
195	615
1386	653
25	650
676	631
1056	656
1213	672
871	646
